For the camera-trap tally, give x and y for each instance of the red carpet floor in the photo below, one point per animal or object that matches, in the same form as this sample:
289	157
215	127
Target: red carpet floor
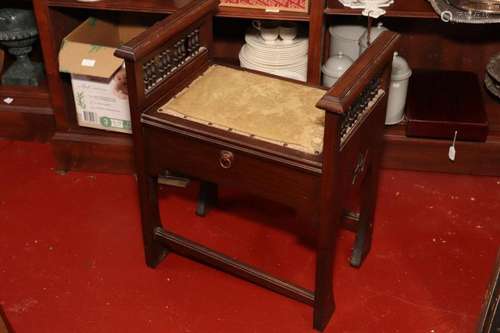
71	256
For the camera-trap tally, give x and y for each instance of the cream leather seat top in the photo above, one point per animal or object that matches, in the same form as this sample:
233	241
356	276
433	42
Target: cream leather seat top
268	109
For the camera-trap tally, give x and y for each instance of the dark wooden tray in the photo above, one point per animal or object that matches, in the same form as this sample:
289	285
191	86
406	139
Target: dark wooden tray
442	102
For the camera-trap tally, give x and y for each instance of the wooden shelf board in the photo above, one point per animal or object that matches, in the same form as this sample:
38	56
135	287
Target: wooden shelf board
431	155
29	116
41	91
492	106
87	134
169	6
26	99
400	8
87	149
26	126
146	6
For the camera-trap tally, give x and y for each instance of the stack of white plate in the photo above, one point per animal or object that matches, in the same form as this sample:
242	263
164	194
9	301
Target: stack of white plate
286	59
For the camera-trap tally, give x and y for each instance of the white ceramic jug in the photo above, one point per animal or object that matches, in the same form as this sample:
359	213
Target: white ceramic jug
334	67
398	90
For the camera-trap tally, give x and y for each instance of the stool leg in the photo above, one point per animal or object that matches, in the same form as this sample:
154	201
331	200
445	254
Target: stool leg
206	198
329	217
363	240
324	303
150	219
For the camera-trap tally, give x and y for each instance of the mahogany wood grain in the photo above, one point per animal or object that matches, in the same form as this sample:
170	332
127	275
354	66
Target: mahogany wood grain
39	94
50	50
5	326
17	124
88	149
276	181
224	263
29	116
327	218
301	160
316	33
371	144
489	320
309	183
148	6
147	184
429	154
442	103
2	60
170	6
135	53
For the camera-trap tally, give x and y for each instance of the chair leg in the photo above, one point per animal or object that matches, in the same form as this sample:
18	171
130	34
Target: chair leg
150	218
324	303
363	240
207	197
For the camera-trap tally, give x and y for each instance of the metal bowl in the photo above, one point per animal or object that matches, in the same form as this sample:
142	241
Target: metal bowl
484	6
493	67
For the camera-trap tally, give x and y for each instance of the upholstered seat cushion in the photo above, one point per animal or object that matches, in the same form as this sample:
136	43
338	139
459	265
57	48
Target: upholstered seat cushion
269	109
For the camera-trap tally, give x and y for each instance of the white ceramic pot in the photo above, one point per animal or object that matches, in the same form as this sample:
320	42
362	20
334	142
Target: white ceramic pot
398	90
334	67
345	39
269	30
374	33
288	32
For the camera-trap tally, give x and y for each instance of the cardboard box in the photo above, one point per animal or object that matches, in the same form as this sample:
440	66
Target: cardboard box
97	76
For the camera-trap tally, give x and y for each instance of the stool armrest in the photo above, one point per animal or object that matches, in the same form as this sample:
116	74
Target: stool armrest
164	30
163	59
366	68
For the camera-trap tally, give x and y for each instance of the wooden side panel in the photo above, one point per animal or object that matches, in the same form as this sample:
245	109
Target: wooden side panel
90	152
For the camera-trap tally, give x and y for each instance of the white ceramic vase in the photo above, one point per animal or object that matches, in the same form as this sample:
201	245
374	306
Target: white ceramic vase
398	90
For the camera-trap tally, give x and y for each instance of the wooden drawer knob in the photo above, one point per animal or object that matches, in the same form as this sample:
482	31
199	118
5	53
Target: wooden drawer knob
226	159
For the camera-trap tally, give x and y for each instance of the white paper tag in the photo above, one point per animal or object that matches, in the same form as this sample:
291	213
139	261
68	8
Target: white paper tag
451	153
8	100
88	62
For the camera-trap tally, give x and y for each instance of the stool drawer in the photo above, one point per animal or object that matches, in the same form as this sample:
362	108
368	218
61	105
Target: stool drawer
225	164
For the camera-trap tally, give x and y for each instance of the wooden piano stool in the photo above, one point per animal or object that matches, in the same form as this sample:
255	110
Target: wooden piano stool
190	117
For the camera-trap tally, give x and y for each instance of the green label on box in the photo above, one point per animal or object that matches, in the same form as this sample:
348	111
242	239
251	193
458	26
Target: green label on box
105	121
115	123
